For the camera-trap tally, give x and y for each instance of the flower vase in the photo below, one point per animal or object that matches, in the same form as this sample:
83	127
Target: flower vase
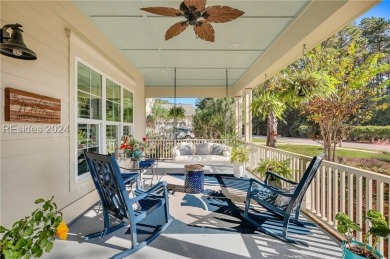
134	164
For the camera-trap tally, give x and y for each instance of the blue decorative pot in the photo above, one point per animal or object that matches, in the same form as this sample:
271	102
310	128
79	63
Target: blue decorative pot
347	254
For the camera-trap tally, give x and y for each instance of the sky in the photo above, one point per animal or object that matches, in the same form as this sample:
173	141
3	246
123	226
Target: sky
380	10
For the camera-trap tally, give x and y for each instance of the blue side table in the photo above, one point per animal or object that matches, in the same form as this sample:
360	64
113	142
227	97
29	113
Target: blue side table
194	178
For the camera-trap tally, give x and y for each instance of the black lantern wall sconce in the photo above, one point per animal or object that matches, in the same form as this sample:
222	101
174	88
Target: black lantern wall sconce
14	46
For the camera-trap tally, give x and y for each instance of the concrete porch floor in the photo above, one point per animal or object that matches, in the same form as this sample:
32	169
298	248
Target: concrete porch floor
197	231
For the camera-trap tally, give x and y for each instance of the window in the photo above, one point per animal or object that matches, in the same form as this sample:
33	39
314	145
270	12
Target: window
100	120
112	135
127	106
113	101
89	93
87	141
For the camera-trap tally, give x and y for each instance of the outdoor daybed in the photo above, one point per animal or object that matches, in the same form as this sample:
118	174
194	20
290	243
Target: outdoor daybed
202	153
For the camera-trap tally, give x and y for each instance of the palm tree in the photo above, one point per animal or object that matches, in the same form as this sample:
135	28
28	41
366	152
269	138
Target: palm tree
269	104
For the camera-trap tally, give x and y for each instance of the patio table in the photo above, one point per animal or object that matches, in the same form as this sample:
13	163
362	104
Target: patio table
142	167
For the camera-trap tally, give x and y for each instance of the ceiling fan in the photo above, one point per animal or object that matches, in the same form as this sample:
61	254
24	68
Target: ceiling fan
197	15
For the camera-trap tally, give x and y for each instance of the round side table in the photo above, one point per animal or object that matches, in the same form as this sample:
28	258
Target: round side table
194	178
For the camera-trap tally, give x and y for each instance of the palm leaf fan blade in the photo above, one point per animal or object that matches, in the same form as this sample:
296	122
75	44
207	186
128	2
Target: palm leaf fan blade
197	4
220	14
165	11
205	31
175	30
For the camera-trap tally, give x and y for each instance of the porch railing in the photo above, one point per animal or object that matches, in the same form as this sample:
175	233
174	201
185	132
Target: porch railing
163	148
335	188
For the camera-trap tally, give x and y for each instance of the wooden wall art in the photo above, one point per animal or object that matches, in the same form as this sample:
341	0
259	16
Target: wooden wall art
22	106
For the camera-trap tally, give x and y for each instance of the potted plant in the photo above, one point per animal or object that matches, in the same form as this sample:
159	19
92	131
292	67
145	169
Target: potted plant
133	149
355	249
281	168
239	156
33	235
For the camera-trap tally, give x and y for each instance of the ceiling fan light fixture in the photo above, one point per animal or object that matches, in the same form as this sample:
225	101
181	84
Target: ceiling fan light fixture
197	15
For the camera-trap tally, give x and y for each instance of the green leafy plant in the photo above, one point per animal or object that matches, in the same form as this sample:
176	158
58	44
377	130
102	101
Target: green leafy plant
281	168
179	112
379	228
240	154
35	234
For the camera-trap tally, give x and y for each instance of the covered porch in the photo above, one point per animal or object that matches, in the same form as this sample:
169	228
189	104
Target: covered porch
205	225
114	45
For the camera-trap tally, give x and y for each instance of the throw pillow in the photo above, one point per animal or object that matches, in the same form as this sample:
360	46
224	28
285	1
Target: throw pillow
185	150
217	150
202	149
177	153
226	152
281	200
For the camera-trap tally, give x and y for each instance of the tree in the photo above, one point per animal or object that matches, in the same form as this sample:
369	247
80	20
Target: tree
269	104
211	117
157	119
377	32
351	69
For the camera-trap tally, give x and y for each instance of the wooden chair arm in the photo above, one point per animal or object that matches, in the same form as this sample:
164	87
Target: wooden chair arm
269	173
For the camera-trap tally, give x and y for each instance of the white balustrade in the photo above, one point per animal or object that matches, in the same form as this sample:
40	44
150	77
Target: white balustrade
335	188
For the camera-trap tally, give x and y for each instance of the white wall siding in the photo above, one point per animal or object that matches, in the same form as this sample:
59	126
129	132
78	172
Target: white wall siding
40	165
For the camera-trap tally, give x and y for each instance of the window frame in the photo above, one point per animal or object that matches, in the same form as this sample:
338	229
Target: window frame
103	122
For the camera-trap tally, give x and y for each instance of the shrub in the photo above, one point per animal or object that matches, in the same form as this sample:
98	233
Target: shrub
370	133
303	131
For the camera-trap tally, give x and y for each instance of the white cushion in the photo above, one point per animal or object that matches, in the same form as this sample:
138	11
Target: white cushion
202	159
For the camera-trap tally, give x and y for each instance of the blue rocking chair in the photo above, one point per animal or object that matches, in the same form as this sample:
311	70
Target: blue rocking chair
116	203
267	196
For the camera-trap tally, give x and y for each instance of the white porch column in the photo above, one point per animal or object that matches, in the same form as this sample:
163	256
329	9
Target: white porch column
248	115
238	108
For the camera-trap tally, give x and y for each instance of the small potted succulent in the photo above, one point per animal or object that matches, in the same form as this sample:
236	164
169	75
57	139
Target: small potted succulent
355	249
239	156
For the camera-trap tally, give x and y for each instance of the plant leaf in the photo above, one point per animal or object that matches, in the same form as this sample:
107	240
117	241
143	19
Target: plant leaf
39	201
49	247
2	229
380	231
38	216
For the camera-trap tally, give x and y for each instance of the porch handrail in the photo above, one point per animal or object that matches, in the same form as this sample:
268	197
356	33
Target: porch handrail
336	188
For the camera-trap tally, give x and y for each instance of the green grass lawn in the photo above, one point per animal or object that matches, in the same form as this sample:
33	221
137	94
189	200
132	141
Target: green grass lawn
311	150
258	140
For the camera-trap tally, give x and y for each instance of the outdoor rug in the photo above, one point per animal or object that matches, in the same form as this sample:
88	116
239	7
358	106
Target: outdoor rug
205	225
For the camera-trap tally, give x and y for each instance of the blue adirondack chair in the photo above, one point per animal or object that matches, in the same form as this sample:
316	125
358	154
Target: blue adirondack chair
266	196
116	203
